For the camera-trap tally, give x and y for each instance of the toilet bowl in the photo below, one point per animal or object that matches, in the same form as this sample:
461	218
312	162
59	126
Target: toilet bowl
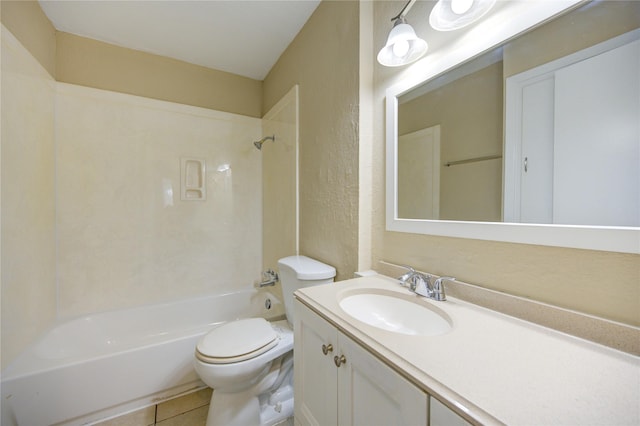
249	362
250	387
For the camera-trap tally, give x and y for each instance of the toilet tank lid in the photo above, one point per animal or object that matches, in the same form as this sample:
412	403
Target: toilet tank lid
307	268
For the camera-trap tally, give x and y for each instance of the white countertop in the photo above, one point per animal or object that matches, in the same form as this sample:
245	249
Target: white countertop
494	367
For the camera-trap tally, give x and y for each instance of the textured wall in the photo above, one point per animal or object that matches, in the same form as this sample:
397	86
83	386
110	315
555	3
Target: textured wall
323	61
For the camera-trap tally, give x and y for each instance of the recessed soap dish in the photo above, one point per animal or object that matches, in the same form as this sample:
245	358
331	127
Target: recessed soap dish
193	179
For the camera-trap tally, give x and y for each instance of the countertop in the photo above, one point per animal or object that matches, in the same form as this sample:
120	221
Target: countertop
492	368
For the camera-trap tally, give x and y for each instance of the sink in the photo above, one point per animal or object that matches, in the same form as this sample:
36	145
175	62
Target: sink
396	314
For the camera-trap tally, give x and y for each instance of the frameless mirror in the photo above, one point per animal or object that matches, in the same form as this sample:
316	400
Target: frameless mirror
514	137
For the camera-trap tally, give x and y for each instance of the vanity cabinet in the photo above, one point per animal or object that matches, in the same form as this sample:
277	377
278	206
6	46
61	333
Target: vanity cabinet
338	382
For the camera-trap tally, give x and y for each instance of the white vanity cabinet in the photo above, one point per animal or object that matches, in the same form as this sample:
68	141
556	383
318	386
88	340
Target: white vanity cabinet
337	382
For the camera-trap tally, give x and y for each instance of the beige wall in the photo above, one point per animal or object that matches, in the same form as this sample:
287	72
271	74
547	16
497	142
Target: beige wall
78	60
583	28
605	284
28	23
28	198
323	61
471	191
96	64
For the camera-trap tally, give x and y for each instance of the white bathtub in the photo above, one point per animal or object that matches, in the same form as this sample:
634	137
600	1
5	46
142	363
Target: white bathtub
100	365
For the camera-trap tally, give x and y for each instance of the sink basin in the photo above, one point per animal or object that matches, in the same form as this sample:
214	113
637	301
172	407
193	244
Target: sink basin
393	313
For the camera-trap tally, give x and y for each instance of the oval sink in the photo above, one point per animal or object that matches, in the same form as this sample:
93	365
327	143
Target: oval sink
395	314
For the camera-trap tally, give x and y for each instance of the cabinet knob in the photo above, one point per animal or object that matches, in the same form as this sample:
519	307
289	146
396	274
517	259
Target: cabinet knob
339	360
327	348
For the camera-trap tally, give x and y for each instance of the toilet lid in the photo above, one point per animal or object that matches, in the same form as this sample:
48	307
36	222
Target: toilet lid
237	341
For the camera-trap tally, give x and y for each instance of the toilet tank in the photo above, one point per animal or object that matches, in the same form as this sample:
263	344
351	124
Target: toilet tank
298	272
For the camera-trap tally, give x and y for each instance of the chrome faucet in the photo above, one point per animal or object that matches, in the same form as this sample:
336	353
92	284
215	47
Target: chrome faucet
420	284
269	277
438	288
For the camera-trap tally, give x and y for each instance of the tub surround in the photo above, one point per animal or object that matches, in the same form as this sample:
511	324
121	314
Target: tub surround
100	186
118	201
492	368
28	200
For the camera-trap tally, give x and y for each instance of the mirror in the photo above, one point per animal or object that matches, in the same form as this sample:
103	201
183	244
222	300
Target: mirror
528	151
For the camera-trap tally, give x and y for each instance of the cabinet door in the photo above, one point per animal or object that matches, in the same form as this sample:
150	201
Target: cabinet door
371	393
315	374
440	415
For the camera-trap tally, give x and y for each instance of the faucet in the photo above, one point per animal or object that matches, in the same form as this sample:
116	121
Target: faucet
269	277
420	284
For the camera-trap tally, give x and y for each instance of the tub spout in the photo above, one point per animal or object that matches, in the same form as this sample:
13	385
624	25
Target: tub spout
269	277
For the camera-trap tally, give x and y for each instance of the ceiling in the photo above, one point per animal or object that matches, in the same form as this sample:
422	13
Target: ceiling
238	36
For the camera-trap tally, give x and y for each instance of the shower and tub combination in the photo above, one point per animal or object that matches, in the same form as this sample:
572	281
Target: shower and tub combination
119	234
101	365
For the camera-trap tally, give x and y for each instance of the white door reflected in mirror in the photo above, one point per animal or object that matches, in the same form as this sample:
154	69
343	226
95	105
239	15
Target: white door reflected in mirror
573	155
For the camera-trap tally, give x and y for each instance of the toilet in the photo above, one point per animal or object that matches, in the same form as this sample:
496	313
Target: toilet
249	362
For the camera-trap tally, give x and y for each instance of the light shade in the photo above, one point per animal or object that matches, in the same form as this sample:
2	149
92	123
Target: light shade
449	15
403	46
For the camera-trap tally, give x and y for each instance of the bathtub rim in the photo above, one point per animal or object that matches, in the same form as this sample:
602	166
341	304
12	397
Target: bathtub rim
23	364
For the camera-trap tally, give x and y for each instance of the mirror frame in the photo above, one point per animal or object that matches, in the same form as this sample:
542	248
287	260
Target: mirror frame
496	30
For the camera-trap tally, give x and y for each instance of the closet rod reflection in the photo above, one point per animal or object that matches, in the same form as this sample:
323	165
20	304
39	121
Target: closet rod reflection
472	160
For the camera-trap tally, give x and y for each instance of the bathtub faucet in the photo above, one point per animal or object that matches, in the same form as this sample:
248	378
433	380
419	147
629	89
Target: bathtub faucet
269	277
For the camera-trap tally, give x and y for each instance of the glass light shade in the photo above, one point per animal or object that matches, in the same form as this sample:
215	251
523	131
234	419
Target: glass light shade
460	7
444	18
403	47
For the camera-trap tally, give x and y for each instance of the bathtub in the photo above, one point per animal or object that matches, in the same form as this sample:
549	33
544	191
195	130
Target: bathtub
101	365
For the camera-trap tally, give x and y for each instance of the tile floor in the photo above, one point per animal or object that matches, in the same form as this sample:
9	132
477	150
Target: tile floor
187	410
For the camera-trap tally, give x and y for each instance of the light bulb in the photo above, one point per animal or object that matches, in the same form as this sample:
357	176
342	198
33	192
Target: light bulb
460	7
400	48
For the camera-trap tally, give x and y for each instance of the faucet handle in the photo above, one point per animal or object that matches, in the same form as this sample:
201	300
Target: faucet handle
438	288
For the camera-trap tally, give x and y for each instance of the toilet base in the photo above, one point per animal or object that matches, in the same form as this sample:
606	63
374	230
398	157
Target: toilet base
269	416
234	410
266	404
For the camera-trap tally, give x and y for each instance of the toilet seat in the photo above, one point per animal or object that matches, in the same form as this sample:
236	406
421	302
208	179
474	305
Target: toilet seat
237	341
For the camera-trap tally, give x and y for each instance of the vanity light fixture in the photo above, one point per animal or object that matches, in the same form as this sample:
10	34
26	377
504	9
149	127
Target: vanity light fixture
449	15
403	45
